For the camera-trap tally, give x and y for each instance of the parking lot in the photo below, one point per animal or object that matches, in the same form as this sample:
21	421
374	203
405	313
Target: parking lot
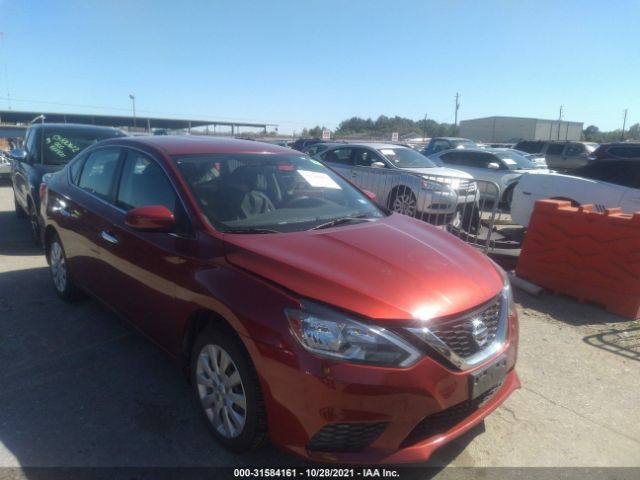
78	387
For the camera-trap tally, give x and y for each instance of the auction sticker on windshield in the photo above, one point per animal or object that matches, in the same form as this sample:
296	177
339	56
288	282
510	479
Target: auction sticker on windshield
318	179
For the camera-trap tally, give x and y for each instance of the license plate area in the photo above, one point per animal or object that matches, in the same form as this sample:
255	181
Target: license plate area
488	377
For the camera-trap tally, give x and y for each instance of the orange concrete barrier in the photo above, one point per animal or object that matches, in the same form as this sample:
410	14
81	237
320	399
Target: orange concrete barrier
589	255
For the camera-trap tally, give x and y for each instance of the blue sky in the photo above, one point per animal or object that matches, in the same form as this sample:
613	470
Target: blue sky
307	62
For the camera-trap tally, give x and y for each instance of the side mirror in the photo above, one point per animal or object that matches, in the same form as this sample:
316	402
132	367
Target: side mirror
18	154
371	195
493	166
378	165
153	217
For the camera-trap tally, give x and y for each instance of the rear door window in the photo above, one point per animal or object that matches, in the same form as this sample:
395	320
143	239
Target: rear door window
451	158
439	145
477	159
627	151
343	156
99	172
555	149
574	150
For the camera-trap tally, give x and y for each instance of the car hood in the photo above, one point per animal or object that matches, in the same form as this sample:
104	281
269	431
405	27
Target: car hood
394	268
439	172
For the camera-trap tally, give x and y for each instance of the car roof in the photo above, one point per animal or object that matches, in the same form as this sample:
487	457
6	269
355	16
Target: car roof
76	126
193	145
472	150
374	145
452	138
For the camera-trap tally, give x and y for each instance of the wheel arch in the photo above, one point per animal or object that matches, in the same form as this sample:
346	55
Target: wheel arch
196	323
49	233
394	191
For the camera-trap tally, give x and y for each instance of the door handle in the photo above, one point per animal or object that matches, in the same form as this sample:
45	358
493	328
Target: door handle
112	239
354	174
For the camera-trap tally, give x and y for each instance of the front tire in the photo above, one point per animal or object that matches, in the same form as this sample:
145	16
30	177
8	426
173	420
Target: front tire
20	213
59	268
227	390
404	201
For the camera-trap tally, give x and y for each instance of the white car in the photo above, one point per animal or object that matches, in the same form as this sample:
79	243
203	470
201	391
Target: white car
606	184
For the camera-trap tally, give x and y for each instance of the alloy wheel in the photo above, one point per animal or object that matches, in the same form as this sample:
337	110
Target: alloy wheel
221	391
405	203
58	267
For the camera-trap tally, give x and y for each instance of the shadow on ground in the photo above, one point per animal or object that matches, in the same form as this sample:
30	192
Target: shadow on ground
15	236
621	341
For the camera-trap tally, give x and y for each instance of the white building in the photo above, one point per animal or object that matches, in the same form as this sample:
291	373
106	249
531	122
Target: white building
512	129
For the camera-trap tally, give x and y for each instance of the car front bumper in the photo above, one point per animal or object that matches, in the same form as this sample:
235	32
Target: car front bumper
311	400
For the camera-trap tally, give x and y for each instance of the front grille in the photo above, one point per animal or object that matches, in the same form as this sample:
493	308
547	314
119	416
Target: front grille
346	437
466	188
443	421
457	333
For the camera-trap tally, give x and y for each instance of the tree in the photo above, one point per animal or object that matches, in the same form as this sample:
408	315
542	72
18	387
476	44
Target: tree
591	133
633	133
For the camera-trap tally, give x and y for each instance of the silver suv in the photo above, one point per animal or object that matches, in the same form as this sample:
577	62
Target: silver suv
560	155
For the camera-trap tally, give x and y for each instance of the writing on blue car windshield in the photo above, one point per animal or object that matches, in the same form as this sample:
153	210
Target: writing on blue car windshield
264	193
403	157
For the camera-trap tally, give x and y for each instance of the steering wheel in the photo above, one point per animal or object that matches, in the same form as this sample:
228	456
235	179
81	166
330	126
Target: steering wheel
256	203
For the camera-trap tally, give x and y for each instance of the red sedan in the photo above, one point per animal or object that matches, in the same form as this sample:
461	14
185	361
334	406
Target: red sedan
302	312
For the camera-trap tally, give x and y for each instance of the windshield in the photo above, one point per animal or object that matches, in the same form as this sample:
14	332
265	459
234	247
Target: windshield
59	146
257	193
403	157
515	161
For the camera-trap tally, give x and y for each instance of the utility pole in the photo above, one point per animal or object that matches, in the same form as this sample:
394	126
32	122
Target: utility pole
559	122
133	101
624	124
455	122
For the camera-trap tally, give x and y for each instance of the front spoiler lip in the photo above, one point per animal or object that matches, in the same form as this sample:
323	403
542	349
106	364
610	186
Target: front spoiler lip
419	452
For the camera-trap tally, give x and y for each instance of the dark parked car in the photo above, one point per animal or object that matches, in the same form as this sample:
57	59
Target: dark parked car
302	143
298	307
616	150
559	155
317	148
438	144
47	148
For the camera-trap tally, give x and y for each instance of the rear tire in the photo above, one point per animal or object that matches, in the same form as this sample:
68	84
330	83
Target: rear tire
226	387
59	268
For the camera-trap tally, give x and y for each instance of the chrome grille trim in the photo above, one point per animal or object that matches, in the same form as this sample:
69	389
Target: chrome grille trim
464	363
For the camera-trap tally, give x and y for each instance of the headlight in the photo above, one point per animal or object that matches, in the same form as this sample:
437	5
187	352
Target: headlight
428	184
329	333
507	289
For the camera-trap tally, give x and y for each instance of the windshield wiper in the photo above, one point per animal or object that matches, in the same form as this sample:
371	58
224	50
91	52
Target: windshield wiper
343	220
250	230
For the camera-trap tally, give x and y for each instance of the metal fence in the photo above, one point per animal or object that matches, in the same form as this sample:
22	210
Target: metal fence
465	207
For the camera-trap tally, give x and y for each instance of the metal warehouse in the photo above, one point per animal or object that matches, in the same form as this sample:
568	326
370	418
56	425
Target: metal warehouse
512	129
